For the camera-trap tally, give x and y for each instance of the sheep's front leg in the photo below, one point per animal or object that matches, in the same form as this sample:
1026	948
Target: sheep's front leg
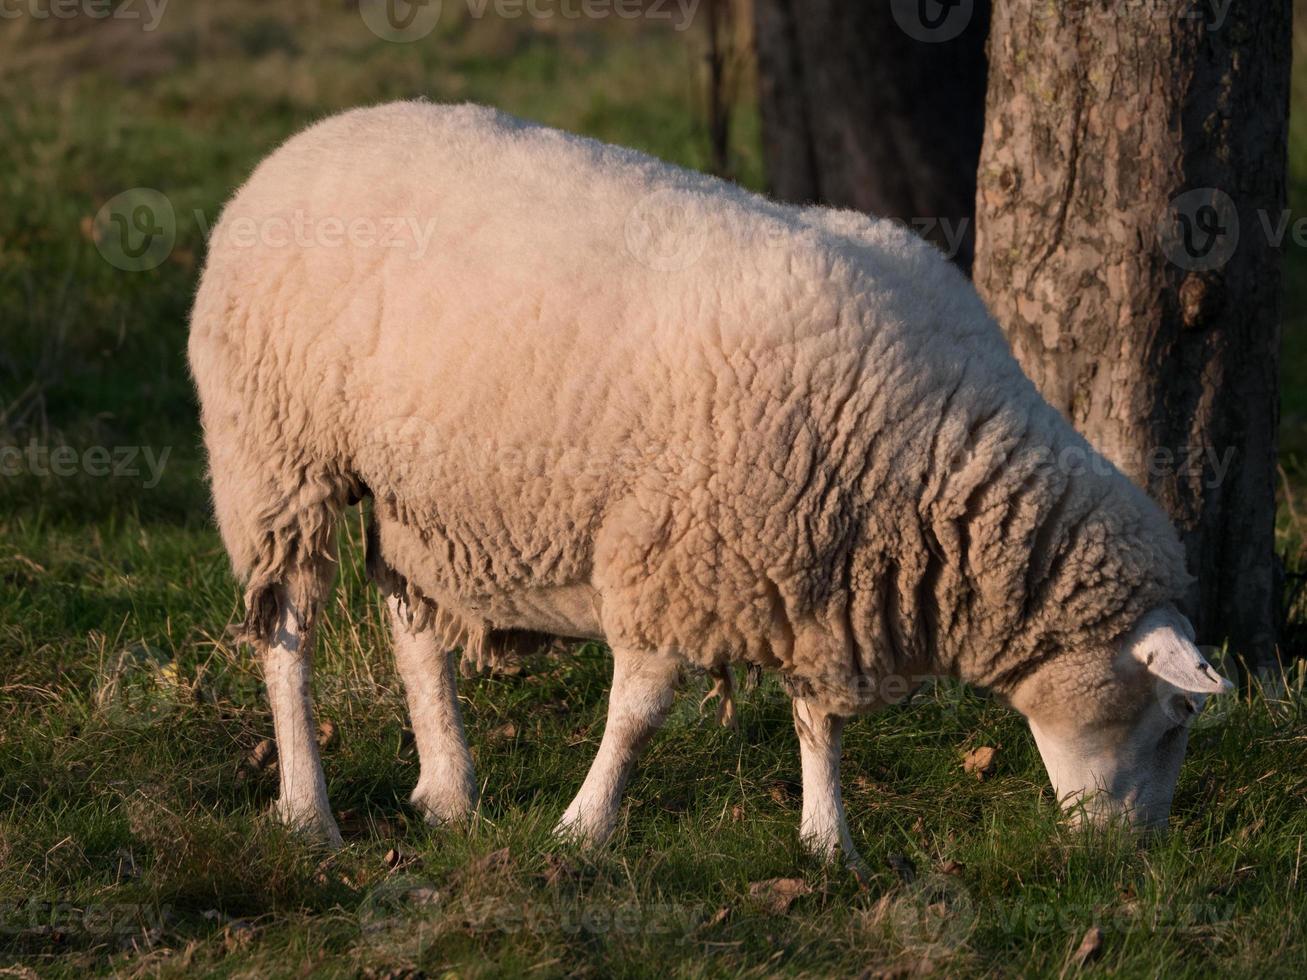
644	686
286	672
822	826
447	790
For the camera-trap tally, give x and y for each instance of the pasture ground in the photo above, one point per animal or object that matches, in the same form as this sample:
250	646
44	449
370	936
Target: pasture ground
133	830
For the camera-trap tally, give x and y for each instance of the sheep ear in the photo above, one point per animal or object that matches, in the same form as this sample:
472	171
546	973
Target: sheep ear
1164	650
1186	627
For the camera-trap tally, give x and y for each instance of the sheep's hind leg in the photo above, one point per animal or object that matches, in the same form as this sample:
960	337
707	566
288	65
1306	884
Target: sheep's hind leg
287	666
446	791
644	686
823	827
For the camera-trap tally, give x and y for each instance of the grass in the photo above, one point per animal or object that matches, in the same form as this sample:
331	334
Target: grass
133	830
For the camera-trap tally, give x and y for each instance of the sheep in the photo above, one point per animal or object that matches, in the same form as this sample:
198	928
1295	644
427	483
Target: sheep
593	395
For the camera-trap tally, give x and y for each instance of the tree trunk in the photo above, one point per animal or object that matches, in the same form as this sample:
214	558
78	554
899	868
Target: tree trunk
876	106
1131	191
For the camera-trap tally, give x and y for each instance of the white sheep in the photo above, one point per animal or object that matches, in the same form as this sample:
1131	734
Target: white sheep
594	395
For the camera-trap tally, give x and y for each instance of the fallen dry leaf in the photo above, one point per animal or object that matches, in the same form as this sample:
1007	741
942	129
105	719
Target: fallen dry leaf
737	813
262	756
320	873
1090	946
718	917
781	792
952	868
778	894
980	762
505	732
326	734
865	784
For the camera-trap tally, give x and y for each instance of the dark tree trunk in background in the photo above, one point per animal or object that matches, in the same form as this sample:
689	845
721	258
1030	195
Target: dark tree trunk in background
876	105
720	17
1130	190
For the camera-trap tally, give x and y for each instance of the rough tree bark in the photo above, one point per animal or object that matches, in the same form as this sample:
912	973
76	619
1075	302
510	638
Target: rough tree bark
1131	190
877	106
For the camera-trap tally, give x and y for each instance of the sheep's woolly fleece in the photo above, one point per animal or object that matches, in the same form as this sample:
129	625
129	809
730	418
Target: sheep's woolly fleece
612	398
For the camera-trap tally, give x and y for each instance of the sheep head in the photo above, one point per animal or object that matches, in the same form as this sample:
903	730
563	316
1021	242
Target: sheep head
1112	726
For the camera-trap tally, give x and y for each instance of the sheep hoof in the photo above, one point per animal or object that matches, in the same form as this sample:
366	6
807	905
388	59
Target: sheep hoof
314	825
441	808
588	833
832	850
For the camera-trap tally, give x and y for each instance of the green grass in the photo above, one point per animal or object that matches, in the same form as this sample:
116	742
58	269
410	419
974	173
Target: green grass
133	833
